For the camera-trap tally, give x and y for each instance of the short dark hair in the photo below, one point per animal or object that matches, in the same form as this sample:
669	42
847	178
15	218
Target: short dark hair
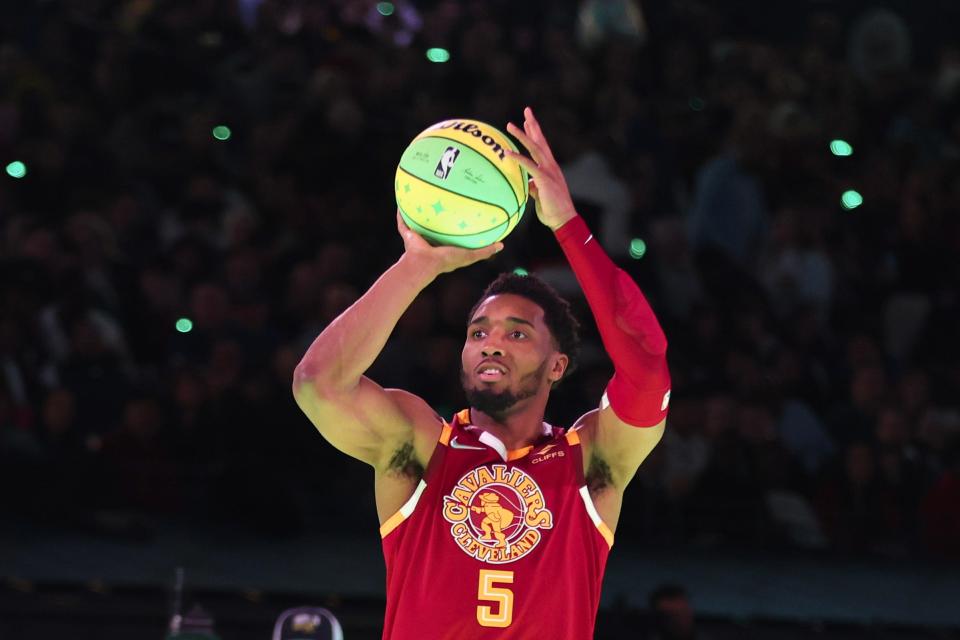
556	311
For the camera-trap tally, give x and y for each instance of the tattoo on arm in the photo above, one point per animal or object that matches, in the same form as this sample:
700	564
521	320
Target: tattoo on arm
404	462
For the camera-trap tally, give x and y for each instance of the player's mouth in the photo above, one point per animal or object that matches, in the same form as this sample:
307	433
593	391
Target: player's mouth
491	371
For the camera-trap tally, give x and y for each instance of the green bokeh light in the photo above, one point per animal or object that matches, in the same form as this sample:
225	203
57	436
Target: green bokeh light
697	104
385	8
520	271
437	54
16	169
222	132
851	199
184	325
637	248
840	147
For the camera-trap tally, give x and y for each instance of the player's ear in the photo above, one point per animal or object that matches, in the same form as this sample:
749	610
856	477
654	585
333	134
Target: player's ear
560	363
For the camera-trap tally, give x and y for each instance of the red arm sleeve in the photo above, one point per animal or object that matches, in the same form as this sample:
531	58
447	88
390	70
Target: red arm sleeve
639	391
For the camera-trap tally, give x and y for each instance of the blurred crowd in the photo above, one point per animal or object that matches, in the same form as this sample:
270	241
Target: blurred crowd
814	347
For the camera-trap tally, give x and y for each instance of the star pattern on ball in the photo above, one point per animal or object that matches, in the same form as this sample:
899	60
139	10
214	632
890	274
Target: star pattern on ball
406	188
437	206
462	225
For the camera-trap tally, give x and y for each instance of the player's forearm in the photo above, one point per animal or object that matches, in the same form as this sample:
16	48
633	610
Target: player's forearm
344	350
610	292
628	328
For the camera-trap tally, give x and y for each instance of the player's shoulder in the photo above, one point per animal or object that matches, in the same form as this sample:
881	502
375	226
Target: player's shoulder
587	423
585	428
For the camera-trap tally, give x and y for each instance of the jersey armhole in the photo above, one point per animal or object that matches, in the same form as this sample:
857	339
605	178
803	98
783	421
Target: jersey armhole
445	433
598	522
408	507
573	439
404	512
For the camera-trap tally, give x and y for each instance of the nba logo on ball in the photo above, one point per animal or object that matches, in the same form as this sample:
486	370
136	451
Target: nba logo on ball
455	184
446	162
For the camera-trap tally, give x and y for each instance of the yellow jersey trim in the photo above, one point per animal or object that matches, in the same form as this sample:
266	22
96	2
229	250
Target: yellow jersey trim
595	516
518	453
605	532
394	521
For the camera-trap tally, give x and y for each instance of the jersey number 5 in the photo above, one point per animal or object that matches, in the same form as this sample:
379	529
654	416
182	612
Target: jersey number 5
502	596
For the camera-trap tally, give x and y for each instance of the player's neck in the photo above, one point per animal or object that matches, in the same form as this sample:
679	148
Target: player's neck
521	427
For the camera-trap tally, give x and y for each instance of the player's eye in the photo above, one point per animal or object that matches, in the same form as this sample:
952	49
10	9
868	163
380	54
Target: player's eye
519	335
476	334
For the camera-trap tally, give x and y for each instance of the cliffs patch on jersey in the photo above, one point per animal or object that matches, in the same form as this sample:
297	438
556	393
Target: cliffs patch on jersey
496	513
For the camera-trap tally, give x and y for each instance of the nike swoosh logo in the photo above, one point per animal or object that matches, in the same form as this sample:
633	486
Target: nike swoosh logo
457	445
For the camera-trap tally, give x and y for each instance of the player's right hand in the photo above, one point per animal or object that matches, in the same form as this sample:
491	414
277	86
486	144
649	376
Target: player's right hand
440	259
548	187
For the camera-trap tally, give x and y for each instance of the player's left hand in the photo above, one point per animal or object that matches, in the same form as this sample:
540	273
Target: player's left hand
547	184
440	259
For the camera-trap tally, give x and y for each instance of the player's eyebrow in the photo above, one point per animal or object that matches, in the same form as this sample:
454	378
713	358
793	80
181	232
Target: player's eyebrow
513	319
516	320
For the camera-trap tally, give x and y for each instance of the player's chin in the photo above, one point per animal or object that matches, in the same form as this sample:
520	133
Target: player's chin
482	385
492	383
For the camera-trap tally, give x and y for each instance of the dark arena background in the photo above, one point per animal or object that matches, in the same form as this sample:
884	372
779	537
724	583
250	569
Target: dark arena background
193	189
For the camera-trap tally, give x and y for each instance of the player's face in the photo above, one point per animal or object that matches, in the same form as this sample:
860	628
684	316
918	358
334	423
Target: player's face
509	354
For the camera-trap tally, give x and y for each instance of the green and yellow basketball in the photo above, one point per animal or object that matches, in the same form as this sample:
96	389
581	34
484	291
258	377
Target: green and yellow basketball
455	185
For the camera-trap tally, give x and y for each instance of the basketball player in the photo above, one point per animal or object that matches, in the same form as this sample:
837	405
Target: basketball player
496	524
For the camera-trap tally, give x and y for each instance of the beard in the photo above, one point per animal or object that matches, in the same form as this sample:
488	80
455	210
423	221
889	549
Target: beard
497	404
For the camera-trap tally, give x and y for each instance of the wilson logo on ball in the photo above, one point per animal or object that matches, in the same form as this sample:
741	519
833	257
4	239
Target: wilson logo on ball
476	132
446	162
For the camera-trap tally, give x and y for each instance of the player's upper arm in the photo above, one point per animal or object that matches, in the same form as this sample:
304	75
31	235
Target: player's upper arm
618	446
366	422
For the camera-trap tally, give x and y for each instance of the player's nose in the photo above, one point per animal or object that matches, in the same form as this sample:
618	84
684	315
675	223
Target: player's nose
492	345
490	350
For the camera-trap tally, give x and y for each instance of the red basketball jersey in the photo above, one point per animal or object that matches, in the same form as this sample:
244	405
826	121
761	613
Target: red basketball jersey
495	543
